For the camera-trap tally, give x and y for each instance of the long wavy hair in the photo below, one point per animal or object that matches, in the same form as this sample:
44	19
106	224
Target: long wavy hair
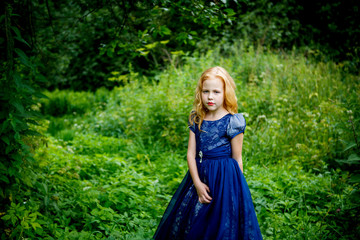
199	110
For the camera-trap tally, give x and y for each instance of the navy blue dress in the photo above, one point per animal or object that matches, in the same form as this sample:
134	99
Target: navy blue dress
230	215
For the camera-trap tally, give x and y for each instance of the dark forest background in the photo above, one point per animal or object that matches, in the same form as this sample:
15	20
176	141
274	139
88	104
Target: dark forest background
77	44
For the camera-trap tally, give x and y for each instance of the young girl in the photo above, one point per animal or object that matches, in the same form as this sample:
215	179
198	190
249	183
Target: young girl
214	202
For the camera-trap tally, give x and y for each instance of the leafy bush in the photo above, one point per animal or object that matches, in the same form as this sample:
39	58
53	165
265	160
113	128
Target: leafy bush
59	103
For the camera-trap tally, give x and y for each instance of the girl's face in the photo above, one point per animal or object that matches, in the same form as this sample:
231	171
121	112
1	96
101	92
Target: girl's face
213	94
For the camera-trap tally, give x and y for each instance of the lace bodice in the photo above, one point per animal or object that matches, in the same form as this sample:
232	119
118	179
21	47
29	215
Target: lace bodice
218	133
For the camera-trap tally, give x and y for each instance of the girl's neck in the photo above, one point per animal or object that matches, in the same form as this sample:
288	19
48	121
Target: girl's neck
215	115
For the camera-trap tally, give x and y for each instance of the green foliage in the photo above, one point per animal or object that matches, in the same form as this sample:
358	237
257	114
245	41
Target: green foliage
19	131
294	204
350	159
114	158
82	43
60	103
19	97
21	219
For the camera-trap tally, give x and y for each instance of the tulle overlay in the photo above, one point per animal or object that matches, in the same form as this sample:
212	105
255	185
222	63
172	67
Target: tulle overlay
230	215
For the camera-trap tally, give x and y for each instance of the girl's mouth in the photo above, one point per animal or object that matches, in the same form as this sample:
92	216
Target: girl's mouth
210	104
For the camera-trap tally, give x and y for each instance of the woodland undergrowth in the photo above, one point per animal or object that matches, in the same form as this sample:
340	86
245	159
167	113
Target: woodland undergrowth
113	158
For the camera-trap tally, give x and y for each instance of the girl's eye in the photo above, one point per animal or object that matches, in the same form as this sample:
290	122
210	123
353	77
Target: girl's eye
205	91
217	92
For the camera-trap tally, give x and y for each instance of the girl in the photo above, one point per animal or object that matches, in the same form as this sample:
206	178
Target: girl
214	202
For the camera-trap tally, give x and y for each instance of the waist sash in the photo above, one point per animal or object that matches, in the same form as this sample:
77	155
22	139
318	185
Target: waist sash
216	153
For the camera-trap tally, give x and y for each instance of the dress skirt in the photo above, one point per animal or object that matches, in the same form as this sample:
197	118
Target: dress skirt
229	216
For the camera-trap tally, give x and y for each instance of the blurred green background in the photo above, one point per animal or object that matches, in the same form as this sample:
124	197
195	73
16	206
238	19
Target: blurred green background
95	97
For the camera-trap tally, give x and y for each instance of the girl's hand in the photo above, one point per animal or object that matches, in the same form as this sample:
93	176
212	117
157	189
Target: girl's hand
203	192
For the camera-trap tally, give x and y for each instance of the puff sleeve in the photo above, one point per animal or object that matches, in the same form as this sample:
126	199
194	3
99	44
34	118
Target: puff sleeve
236	125
191	127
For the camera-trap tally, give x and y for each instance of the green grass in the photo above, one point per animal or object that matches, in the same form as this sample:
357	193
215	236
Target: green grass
114	158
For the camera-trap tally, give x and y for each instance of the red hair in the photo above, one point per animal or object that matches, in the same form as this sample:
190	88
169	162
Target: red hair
199	110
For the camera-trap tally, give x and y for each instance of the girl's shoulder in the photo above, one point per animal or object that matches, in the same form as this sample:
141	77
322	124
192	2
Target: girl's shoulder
237	124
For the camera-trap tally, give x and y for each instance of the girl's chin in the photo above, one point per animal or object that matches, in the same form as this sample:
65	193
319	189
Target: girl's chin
212	109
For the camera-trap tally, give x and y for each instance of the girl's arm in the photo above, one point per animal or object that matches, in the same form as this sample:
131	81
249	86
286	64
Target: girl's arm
236	146
201	188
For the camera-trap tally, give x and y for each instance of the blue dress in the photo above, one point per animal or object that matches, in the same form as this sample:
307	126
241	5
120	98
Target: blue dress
230	215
